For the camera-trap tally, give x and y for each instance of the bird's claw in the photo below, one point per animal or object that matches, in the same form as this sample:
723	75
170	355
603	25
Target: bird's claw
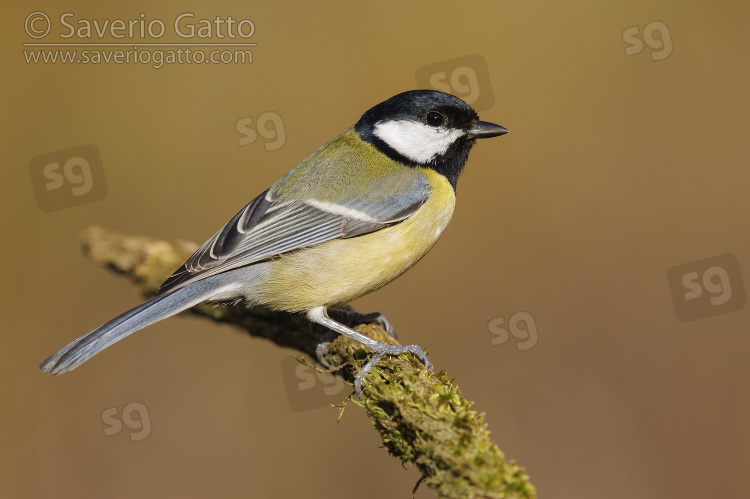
389	350
321	349
382	321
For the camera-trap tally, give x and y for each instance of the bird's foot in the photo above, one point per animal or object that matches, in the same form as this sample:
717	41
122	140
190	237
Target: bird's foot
381	351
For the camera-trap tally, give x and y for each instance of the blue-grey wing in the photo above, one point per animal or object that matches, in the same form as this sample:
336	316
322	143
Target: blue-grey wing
271	225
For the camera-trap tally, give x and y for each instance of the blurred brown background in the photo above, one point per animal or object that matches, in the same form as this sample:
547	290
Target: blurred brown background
627	157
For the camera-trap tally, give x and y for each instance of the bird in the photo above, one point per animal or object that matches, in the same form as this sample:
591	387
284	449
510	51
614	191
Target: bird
347	220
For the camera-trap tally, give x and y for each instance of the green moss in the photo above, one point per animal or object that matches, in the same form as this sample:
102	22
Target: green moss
424	420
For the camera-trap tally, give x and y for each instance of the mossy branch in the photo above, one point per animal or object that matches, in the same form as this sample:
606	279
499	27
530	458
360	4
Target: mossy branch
421	416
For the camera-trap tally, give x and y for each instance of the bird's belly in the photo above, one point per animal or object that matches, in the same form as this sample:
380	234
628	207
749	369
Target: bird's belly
336	272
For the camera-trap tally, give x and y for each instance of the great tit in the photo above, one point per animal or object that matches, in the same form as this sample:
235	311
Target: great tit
347	220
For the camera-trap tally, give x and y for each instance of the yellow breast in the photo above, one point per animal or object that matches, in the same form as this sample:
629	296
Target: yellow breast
336	272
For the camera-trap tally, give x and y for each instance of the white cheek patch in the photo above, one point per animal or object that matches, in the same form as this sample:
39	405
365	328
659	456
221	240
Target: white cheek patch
416	141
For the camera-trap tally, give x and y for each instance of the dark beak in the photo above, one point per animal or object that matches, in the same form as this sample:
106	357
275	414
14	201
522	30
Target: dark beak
485	130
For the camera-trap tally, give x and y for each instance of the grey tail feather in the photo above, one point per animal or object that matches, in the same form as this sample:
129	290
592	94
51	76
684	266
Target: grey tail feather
145	314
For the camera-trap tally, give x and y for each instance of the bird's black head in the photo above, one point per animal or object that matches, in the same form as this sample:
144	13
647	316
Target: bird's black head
426	128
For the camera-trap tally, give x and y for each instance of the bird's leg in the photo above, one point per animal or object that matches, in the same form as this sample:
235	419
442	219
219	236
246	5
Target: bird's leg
319	316
349	317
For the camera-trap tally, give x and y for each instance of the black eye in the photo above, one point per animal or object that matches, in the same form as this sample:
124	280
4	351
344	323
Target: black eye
434	119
